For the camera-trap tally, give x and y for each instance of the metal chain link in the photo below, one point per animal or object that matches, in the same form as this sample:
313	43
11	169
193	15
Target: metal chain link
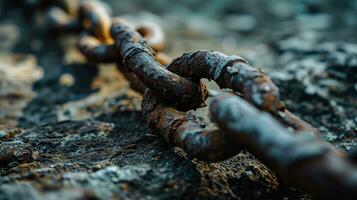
301	159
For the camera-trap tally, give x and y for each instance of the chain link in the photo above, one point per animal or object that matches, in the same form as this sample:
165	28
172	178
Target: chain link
301	158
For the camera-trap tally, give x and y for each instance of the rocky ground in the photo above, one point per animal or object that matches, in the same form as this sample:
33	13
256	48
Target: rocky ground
73	130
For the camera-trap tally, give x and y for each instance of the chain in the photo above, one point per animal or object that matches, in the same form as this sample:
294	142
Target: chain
252	117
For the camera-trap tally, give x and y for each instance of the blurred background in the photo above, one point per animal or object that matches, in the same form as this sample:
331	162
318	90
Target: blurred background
234	26
242	26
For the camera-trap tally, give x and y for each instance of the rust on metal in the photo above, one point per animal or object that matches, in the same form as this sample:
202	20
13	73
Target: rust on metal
61	22
299	159
230	72
94	50
139	58
302	159
186	131
95	17
236	73
288	119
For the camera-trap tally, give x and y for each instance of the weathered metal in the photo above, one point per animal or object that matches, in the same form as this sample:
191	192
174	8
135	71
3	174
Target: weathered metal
139	58
95	18
61	22
236	73
299	159
187	131
230	72
95	51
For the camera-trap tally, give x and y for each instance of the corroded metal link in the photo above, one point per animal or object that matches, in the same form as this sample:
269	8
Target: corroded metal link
60	22
95	17
69	16
135	82
74	16
230	72
138	57
94	50
300	159
183	130
235	73
288	119
97	52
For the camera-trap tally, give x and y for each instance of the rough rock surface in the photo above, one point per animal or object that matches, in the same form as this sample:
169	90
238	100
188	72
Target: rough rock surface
75	131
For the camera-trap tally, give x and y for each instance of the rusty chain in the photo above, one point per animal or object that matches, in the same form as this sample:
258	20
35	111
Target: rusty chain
171	89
